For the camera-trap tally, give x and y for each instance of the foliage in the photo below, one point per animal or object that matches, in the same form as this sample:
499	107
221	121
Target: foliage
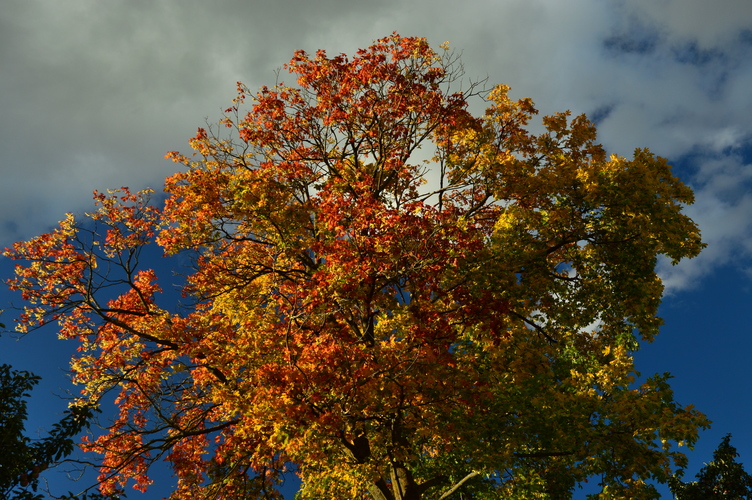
21	458
14	449
722	479
385	295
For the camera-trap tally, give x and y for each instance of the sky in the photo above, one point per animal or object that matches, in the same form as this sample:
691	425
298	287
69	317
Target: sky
92	95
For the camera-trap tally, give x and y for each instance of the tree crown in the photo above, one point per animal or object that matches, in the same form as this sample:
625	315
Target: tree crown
386	295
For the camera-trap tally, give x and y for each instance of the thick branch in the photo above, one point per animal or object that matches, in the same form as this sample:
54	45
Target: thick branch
380	491
459	484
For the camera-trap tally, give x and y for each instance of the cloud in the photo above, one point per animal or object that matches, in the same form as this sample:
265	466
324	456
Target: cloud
94	93
723	210
708	25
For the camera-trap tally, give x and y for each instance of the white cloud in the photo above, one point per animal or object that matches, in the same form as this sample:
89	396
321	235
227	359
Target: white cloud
723	211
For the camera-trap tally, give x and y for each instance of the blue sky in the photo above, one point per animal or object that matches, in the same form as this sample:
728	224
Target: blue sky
94	93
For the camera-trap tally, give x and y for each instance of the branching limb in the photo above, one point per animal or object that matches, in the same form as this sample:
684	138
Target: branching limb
459	484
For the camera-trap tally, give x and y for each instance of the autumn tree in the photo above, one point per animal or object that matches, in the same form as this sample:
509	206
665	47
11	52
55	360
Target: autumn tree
722	479
382	293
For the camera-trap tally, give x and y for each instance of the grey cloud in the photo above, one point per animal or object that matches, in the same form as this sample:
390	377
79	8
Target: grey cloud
94	93
707	24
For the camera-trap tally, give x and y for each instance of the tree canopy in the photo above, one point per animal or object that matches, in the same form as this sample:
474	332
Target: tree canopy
15	453
382	293
721	479
23	459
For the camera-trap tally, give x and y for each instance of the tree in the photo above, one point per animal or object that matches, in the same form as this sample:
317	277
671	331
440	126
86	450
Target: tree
21	458
386	295
723	478
15	452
